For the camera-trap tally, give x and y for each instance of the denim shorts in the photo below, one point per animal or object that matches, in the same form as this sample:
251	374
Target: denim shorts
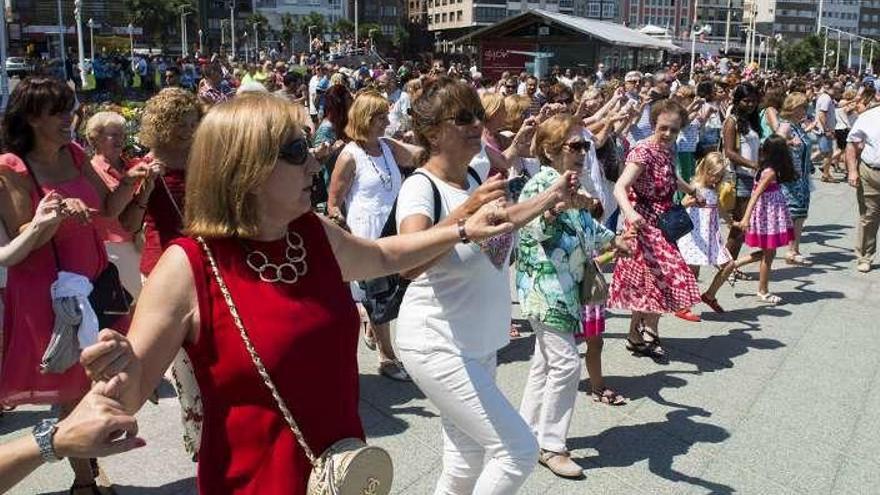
744	185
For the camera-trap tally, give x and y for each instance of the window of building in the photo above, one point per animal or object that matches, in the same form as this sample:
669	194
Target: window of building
459	15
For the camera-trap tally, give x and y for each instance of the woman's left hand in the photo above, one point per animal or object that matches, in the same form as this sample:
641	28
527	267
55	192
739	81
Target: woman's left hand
522	141
565	188
489	221
622	243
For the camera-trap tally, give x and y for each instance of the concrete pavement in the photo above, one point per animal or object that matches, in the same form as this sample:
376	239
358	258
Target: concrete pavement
759	400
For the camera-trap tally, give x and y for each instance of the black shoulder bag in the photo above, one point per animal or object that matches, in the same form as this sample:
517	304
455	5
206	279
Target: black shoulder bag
108	299
384	294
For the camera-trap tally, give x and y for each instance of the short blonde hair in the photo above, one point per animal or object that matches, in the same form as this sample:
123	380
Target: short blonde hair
709	166
792	102
164	113
367	104
100	121
492	102
234	150
515	106
551	135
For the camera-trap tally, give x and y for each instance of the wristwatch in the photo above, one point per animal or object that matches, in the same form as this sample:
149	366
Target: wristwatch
43	433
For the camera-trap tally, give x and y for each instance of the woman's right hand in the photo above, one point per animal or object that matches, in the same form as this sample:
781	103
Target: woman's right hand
494	188
489	221
76	208
48	211
108	357
635	220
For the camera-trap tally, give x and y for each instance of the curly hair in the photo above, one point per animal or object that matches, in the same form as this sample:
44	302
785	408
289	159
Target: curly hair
164	113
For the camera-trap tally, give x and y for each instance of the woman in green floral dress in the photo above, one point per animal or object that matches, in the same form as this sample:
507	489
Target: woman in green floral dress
552	253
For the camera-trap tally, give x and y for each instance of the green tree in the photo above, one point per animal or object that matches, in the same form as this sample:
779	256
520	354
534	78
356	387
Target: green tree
154	16
344	27
800	56
288	29
313	19
401	37
365	29
261	22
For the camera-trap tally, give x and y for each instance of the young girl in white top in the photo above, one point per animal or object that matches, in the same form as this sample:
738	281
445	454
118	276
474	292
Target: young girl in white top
703	245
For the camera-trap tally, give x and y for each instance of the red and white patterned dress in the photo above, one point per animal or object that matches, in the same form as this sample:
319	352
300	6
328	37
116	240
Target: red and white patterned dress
655	278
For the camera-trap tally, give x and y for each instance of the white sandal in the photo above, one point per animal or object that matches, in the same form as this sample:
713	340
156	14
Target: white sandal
769	297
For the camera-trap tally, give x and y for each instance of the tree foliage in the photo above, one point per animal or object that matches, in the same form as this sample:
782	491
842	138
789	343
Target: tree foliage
344	27
154	16
801	55
364	32
288	28
312	19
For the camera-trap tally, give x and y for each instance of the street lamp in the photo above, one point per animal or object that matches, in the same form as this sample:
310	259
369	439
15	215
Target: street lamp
201	48
91	24
61	32
246	52
310	35
256	42
372	43
183	42
77	13
232	26
131	42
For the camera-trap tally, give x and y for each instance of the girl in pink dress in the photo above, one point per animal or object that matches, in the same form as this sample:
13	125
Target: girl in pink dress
767	221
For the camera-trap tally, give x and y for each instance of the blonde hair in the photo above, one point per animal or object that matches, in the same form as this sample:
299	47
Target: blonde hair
234	150
164	113
367	104
712	165
515	106
551	135
792	102
492	102
100	121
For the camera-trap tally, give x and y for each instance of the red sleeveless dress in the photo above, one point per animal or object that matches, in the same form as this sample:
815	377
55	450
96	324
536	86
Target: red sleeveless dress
306	334
29	318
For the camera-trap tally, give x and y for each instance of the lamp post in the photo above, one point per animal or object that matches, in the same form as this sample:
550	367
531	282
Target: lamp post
694	40
256	42
183	40
356	25
131	43
77	13
727	28
861	55
201	48
372	43
246	51
825	51
91	24
4	77
232	26
61	33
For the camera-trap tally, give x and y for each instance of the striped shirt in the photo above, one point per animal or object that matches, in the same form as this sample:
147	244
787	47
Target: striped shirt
689	137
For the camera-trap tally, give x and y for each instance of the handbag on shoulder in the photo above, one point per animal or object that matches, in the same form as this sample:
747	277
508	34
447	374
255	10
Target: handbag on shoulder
349	466
675	223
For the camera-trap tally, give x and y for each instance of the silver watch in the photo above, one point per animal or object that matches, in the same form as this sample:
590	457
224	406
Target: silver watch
43	433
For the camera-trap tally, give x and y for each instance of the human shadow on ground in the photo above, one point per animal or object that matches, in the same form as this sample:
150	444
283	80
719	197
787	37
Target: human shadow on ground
383	401
15	420
716	352
180	487
821	234
627	445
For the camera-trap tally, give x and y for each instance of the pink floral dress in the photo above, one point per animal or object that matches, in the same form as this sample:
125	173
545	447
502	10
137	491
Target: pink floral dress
655	278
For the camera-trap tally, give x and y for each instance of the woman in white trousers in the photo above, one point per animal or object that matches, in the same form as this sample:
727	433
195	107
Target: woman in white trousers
455	314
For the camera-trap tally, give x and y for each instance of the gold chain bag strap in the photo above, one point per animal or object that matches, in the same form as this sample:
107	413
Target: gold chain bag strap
349	466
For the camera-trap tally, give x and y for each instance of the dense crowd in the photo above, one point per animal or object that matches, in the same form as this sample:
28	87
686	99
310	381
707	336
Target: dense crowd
261	217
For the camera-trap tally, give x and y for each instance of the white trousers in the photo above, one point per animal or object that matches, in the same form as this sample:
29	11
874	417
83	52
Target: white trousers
487	447
127	259
551	389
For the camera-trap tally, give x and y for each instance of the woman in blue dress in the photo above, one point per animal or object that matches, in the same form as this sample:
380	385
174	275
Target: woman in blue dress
797	191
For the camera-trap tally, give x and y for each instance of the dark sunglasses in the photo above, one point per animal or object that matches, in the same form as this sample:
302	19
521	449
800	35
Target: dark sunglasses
295	152
578	146
468	117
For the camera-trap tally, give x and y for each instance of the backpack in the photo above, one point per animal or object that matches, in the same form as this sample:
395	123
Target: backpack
384	294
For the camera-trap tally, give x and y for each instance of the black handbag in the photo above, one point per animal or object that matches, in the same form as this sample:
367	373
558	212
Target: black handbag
675	223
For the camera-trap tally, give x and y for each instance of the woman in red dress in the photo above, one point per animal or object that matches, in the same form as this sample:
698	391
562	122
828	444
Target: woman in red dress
42	159
248	194
655	279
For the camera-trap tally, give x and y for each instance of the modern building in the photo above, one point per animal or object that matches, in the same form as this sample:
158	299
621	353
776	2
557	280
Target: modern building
450	19
33	26
387	14
674	15
603	10
417	11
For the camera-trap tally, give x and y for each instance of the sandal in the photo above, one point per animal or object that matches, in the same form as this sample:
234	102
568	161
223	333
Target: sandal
688	315
797	260
829	179
394	370
712	303
656	347
514	331
769	297
608	397
645	349
741	275
369	340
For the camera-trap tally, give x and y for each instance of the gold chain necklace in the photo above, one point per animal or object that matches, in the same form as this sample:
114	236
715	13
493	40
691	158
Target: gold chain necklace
288	272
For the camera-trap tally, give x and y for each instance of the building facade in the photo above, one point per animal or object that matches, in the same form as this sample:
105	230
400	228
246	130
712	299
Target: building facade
603	10
674	15
459	15
387	14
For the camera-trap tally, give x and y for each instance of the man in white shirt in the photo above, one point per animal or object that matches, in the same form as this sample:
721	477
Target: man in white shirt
826	114
319	73
863	165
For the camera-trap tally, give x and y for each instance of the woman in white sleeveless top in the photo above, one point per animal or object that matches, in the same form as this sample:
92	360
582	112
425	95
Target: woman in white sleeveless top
364	184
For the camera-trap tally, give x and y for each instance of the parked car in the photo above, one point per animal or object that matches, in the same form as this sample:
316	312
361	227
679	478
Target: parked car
18	66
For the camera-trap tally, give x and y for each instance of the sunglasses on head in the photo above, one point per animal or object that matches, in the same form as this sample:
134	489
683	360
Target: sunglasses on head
467	116
578	146
295	152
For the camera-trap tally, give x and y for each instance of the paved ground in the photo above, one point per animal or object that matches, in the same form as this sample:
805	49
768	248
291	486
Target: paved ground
758	400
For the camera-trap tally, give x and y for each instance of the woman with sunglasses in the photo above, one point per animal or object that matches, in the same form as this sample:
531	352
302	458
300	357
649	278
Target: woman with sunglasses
455	314
365	182
42	159
552	253
655	279
285	270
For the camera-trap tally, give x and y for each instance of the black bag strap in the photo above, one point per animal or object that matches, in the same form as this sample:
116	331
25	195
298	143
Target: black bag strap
40	195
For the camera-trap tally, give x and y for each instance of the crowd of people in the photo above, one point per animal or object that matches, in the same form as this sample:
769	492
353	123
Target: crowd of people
267	216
